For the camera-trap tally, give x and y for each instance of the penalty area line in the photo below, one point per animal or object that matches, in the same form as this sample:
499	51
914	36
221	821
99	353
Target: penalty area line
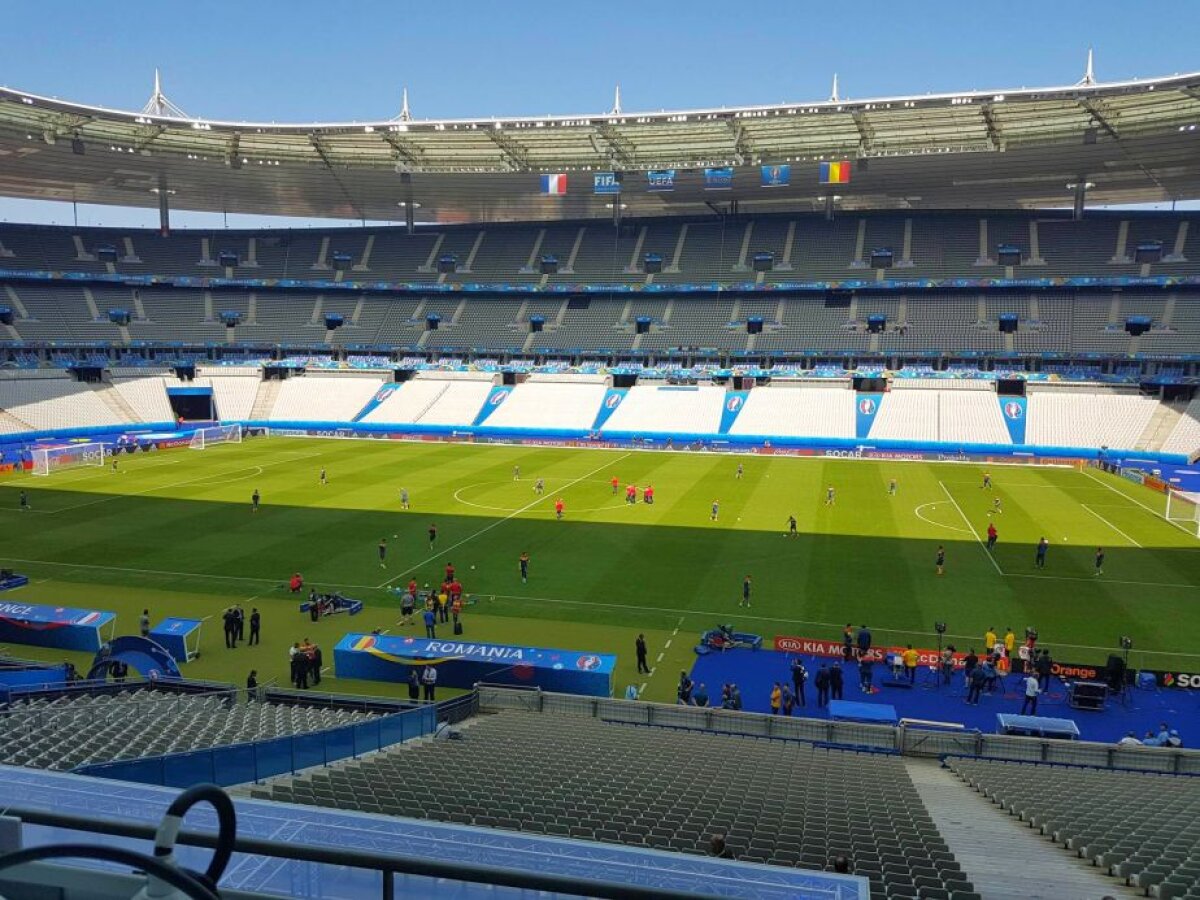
1111	525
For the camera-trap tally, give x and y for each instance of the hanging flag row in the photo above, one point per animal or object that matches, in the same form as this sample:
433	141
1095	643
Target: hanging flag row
715	179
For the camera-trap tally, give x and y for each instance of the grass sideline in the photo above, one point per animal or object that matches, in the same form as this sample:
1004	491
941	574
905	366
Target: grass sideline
173	532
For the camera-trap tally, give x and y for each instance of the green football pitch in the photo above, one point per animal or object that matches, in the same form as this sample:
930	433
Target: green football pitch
174	532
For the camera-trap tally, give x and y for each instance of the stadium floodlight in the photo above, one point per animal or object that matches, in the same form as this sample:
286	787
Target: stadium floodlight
48	460
203	438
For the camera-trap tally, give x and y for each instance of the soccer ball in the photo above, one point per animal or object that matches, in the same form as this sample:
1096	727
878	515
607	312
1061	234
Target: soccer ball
395	535
472	568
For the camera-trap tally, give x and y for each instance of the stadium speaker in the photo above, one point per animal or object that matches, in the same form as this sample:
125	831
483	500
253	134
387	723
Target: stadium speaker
341	260
447	264
549	264
231	318
77	147
1008	323
652	263
6	315
106	253
1137	325
764	262
537	323
877	323
119	316
754	325
228	259
1148	252
432	321
1114	673
643	324
334	320
1008	255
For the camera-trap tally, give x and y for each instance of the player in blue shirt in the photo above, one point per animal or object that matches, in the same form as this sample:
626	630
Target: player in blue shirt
716	510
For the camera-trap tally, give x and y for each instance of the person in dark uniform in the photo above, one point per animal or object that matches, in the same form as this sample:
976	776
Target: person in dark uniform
1044	666
822	681
799	677
429	682
239	618
835	682
940	560
315	662
230	628
1099	561
643	666
523	562
745	592
848	642
432	535
255	499
252	680
864	641
792	532
255	625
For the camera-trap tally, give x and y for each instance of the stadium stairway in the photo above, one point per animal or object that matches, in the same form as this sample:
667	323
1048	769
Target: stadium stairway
112	398
1001	857
264	400
1162	423
10	424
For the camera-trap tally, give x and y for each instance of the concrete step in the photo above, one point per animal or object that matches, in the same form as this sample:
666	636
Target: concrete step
1001	855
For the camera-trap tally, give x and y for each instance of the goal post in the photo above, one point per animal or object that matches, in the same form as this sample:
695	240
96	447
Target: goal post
203	438
48	460
1183	510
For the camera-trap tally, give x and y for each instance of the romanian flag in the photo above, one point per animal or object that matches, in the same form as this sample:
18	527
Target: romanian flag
555	184
835	172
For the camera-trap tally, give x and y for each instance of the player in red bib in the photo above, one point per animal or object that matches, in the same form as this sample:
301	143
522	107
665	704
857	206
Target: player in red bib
631	494
648	494
558	508
616	485
449	571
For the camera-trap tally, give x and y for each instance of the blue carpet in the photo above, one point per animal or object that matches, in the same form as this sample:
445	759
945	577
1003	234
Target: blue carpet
755	673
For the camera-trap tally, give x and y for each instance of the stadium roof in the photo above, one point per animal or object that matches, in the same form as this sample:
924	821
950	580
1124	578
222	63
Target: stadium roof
1133	142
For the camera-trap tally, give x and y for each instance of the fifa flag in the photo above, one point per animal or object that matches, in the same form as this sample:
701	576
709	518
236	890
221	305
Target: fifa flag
555	184
835	172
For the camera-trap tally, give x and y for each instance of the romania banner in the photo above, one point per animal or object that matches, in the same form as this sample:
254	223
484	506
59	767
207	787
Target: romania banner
835	172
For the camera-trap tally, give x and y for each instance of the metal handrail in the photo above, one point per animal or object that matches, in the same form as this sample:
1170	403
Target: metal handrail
389	865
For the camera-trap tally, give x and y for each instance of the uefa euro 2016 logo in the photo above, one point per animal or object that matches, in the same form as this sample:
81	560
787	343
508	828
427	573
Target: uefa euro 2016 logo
866	406
734	404
588	663
498	398
1013	410
612	400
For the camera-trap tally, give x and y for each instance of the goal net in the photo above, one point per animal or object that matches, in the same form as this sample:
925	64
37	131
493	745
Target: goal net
1183	509
203	438
53	459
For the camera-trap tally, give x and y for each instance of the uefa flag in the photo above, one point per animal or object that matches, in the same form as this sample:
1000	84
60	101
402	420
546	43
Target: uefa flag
555	184
835	172
776	176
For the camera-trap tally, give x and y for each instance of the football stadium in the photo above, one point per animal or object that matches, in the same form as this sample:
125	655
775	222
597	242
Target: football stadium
773	501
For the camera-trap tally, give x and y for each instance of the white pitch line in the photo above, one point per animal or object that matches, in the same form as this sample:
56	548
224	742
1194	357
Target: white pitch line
1094	580
1148	509
667	645
967	522
496	524
917	513
660	657
1111	525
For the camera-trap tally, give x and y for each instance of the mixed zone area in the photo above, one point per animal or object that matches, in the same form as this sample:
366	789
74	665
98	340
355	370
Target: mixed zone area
623	527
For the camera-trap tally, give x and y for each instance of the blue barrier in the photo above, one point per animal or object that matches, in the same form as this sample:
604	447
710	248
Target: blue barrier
244	763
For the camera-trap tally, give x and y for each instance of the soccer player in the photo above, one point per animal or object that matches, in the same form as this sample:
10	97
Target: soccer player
740	471
432	535
745	601
383	553
648	494
987	481
830	496
408	603
523	562
716	510
616	485
404	498
1040	559
539	486
24	502
449	572
792	532
516	473
255	498
324	480
940	560
558	508
631	493
996	507
992	535
1099	561
114	464
892	487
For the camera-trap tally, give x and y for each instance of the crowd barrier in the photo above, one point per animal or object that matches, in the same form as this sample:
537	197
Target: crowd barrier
252	762
907	740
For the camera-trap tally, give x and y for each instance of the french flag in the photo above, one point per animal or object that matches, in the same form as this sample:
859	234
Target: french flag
555	184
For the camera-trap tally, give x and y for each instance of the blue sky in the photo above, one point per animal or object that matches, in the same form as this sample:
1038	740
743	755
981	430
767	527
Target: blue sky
300	60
